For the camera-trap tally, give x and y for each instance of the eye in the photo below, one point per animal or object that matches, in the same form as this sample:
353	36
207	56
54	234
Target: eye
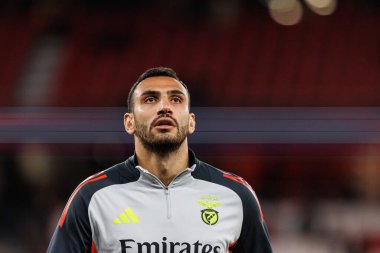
176	100
149	100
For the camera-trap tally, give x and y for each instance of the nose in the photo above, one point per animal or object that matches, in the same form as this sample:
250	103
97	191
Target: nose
165	107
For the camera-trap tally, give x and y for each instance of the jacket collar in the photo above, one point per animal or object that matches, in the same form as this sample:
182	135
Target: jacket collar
132	160
150	179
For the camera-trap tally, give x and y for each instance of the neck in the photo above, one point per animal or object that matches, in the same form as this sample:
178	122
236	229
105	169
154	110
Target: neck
164	167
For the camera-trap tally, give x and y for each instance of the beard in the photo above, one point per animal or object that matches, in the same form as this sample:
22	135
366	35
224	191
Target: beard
161	145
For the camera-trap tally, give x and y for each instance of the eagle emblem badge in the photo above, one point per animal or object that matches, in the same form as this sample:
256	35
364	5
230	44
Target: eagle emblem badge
209	215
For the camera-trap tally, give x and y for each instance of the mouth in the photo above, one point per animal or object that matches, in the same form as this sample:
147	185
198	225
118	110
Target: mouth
164	124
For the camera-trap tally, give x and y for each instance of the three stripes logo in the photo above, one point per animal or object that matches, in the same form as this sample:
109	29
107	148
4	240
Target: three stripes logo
127	216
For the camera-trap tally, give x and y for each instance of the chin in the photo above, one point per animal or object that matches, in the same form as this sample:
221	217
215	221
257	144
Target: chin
165	134
163	138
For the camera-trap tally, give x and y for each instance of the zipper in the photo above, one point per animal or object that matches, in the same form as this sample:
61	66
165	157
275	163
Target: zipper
168	203
167	196
166	191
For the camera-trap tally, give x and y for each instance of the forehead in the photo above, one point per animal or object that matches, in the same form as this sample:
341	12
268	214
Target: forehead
159	83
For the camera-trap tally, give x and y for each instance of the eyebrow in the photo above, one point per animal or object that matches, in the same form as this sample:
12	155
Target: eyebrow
154	92
176	92
149	92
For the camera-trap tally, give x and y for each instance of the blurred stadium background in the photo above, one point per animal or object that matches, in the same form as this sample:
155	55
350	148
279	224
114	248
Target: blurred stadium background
286	93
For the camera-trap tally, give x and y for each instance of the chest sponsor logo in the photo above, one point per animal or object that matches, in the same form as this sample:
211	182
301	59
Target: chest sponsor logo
165	246
127	216
209	215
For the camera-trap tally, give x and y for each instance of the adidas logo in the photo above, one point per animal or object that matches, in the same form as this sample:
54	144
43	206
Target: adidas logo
126	217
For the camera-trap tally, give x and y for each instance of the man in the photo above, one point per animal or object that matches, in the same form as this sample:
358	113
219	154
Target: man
162	199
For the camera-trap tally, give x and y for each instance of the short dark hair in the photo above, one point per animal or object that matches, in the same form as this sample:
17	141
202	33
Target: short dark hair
152	72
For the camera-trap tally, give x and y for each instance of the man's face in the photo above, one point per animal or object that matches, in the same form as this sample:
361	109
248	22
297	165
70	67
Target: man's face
160	117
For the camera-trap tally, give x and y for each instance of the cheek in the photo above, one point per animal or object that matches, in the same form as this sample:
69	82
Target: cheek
185	119
138	110
141	116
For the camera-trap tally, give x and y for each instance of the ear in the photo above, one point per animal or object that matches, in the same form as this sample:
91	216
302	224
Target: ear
191	123
129	123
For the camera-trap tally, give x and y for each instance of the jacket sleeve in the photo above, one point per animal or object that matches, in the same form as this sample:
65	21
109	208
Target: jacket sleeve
73	232
254	237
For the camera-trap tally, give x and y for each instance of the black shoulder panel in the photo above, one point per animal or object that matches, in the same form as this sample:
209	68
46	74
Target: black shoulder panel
73	233
254	235
120	173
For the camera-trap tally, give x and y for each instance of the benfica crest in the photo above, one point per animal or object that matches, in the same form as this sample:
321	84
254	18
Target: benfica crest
209	215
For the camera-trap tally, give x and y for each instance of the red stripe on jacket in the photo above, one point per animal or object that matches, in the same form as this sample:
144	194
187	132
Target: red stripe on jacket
94	178
93	248
230	246
243	182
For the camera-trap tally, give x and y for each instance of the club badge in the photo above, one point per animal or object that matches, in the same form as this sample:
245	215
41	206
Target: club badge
209	215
